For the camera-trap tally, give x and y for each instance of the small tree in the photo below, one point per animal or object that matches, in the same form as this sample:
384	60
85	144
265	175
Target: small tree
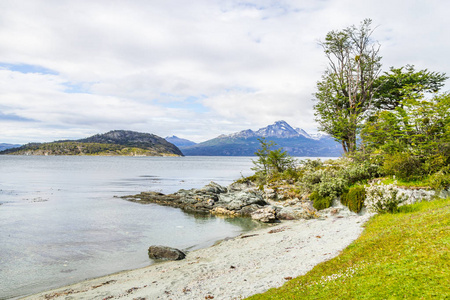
271	161
262	163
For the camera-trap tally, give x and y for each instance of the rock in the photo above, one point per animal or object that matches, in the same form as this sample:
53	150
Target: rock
265	215
270	193
334	211
308	206
167	253
242	186
292	202
416	195
237	200
287	213
220	211
241	198
249	209
213	188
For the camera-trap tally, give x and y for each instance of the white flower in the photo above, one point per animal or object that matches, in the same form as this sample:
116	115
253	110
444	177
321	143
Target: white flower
381	198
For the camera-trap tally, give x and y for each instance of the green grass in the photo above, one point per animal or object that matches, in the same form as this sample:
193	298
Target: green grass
424	182
398	256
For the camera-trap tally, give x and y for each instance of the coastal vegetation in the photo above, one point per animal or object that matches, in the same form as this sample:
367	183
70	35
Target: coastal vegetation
352	91
395	131
403	255
118	142
394	126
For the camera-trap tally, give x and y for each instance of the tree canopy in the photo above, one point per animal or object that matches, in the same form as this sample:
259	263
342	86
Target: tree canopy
405	83
351	90
345	92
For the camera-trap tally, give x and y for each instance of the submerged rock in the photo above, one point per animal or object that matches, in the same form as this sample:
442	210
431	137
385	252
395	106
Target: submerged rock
167	253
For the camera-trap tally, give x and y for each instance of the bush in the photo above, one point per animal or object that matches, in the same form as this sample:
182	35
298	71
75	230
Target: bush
354	198
441	179
403	165
334	177
320	202
382	198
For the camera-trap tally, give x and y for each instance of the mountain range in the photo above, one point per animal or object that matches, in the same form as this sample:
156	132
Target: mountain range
295	141
4	146
116	142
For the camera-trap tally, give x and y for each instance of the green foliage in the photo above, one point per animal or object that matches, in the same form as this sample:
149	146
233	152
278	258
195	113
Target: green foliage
345	92
320	202
333	178
398	256
405	83
81	148
403	165
440	180
271	162
413	140
354	198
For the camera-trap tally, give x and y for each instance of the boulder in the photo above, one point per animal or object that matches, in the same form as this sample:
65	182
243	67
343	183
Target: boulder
242	186
287	213
166	253
220	211
239	199
266	214
213	188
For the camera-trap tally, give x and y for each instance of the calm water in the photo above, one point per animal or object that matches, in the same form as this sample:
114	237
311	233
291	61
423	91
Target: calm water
60	222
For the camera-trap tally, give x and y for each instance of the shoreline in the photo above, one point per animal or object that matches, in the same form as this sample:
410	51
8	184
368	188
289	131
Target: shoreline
234	268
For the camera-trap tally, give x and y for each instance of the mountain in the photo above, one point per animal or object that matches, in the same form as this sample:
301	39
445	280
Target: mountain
116	142
279	129
4	146
179	142
296	142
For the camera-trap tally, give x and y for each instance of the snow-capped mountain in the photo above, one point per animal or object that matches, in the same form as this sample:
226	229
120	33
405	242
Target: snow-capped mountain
296	142
279	129
302	132
319	136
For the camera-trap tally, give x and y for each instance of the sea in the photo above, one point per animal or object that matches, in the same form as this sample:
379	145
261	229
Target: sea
62	219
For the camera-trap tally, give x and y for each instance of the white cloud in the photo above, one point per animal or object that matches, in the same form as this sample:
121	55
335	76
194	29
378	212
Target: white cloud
195	69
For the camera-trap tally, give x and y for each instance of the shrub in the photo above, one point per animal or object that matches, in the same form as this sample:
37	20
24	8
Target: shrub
331	186
320	202
403	165
354	198
441	179
382	198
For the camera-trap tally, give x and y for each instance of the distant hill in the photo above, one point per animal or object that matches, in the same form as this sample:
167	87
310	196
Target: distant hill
4	146
116	142
179	142
296	142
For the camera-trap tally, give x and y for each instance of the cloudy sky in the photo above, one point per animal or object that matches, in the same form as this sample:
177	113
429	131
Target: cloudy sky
195	69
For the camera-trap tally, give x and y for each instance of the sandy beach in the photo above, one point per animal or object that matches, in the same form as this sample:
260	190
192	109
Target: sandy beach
232	269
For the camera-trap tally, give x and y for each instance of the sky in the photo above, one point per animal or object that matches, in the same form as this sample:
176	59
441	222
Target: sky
194	69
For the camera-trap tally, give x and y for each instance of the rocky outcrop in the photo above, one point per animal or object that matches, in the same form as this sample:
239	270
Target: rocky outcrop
415	195
166	253
238	199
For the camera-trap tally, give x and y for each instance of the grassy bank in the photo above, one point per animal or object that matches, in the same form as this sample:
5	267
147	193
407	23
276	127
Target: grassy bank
403	255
